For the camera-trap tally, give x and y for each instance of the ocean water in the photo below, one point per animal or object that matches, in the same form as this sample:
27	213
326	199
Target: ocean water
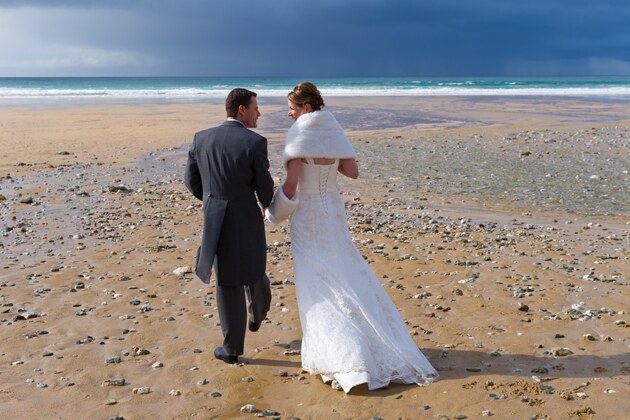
202	88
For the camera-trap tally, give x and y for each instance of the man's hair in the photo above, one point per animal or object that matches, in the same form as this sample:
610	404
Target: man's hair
236	98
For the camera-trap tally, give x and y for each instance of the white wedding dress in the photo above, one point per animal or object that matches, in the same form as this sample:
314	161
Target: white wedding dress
352	332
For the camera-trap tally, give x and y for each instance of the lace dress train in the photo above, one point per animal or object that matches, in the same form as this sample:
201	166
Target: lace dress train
352	331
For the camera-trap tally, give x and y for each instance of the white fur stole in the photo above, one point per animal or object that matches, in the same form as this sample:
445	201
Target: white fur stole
281	207
316	134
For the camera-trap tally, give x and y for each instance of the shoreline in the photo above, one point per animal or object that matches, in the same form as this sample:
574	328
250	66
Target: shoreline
157	89
280	99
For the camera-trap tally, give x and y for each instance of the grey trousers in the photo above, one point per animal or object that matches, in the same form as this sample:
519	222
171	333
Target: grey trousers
234	302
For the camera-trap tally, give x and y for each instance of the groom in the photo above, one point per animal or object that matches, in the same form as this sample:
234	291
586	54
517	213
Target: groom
226	166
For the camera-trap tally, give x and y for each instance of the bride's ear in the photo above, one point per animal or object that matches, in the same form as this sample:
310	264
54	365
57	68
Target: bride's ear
308	108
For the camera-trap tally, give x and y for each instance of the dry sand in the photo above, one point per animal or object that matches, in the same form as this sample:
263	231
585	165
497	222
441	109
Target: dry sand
497	225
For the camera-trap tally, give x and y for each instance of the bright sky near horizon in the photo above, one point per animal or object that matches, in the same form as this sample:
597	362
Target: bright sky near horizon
325	38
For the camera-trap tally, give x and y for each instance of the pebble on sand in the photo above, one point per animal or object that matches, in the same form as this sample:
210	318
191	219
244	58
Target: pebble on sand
249	408
139	351
113	359
114	382
561	351
180	271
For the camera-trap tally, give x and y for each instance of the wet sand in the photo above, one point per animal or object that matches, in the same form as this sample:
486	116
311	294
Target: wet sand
499	227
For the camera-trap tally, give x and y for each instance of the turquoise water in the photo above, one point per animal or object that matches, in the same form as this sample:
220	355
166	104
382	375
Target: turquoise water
191	88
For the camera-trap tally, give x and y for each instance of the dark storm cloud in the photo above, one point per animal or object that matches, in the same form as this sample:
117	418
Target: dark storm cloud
322	38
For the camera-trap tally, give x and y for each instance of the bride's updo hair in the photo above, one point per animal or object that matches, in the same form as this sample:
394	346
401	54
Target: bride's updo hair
307	93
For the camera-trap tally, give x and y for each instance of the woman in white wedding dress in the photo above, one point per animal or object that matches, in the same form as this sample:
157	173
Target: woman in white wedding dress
352	332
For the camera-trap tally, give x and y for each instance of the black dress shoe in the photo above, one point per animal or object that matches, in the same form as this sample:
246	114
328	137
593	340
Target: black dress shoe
220	354
254	326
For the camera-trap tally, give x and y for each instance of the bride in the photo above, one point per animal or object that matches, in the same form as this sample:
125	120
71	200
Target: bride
352	332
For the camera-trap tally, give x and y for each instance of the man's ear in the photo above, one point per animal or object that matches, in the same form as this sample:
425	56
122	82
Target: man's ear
241	109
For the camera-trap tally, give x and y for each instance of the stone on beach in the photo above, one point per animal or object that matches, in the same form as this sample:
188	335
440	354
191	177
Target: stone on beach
28	315
180	271
561	352
116	381
139	351
249	408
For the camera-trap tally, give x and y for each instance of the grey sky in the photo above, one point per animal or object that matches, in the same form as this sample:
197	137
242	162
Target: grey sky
314	38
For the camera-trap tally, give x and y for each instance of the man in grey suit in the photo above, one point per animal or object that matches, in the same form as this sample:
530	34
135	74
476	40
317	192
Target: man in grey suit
228	169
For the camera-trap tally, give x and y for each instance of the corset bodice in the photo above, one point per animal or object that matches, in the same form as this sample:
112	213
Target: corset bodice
318	179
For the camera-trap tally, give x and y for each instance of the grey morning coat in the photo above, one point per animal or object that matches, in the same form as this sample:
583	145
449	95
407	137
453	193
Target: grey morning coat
228	169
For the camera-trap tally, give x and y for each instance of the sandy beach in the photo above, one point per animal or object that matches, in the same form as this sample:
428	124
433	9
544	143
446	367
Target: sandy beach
500	227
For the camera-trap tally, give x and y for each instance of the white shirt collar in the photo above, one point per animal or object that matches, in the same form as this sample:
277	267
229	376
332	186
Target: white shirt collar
234	119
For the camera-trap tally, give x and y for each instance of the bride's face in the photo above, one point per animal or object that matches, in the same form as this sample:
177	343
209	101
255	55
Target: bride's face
295	110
